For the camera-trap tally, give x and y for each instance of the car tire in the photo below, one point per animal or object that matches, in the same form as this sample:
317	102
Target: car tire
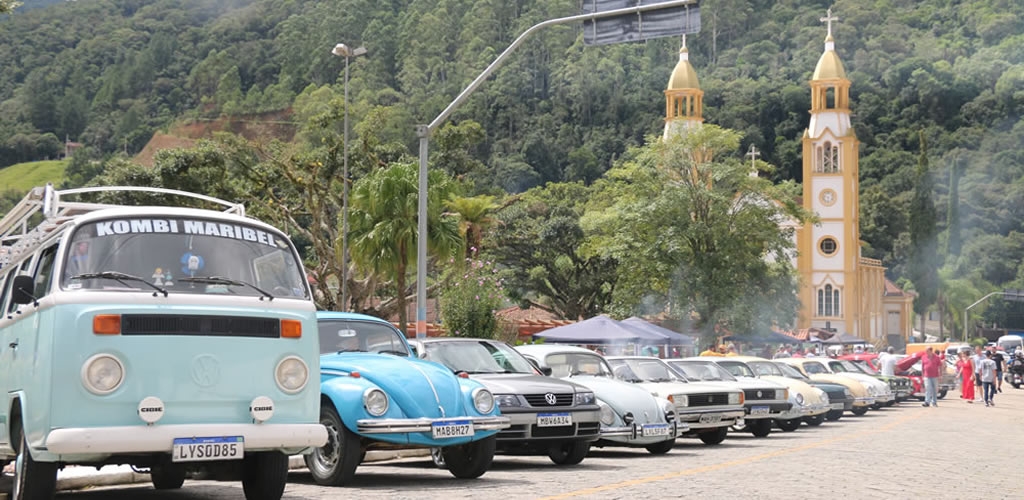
788	425
714	437
264	475
167	476
661	448
470	460
334	463
32	479
815	420
834	415
1016	386
438	458
859	411
760	427
942	394
570	453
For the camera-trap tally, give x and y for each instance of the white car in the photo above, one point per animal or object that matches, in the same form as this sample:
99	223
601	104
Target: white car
880	391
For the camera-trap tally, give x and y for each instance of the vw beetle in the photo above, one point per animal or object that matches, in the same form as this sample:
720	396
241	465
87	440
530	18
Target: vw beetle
376	395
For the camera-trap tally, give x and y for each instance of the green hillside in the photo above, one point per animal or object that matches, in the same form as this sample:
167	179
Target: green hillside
24	176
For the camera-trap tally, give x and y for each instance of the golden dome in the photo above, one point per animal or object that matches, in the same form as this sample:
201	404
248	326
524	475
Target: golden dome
683	76
829	66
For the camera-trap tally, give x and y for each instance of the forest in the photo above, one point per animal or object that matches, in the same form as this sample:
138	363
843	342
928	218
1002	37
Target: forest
938	80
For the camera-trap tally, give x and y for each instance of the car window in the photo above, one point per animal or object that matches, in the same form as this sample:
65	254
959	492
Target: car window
337	336
9	288
650	370
866	367
837	366
573	363
765	369
814	368
43	272
738	369
789	371
474	356
705	372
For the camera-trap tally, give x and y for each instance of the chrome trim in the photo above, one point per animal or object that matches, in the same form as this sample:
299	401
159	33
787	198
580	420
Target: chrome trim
405	425
629	431
160	438
432	388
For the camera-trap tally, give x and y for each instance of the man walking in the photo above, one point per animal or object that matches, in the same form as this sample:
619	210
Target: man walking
998	358
977	359
931	366
988	378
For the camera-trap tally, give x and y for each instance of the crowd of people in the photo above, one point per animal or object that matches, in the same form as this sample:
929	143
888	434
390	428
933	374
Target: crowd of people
981	373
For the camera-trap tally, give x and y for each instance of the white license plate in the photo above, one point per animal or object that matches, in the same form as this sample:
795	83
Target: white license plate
207	448
553	419
655	430
710	418
837	406
759	411
455	428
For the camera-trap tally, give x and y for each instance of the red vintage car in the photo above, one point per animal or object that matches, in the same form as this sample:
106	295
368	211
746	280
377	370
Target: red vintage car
910	366
901	385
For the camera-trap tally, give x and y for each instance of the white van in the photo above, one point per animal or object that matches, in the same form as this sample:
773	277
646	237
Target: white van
1010	343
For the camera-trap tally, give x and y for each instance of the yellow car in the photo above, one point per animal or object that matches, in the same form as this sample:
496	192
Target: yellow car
862	399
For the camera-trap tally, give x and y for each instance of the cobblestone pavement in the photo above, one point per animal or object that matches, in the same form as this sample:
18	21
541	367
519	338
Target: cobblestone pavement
906	451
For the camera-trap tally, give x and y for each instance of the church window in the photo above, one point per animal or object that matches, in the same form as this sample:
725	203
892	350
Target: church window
828	246
826	158
830	98
828	301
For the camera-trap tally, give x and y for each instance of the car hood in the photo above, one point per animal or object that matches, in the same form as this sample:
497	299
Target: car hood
666	389
794	385
854	386
419	387
524	383
756	383
624	397
864	379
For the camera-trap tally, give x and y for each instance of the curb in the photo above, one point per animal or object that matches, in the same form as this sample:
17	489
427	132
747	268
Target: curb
99	478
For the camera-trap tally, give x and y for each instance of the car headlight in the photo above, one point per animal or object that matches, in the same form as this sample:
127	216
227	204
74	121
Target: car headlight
800	399
607	415
735	398
483	401
102	374
584	398
823	395
679	399
782	394
375	401
507	400
291	374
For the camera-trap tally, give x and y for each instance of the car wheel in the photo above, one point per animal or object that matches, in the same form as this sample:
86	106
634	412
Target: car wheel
334	463
1016	386
876	406
662	447
31	479
788	425
889	404
714	437
834	415
815	420
760	427
942	394
438	458
264	475
570	453
859	410
470	460
167	476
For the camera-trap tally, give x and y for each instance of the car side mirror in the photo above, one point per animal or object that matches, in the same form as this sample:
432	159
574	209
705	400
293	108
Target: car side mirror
23	290
546	370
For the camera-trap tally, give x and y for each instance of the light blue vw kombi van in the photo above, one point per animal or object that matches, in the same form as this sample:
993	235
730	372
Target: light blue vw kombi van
177	340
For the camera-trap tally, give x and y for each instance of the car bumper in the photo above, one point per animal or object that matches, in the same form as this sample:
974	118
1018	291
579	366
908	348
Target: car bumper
865	401
885	398
586	425
160	438
775	409
718	418
805	411
408	425
634	433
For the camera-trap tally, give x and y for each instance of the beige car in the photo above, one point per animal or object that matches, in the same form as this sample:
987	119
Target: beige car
862	399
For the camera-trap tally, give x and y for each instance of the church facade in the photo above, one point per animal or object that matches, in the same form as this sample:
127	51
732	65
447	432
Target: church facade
839	290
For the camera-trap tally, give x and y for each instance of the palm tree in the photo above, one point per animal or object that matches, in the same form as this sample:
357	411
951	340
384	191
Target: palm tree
384	221
8	6
474	218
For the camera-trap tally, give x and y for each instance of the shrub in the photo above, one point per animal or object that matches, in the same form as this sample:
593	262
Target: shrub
470	298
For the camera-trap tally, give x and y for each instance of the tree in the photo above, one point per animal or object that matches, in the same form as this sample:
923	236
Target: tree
953	241
474	215
471	296
8	6
695	234
383	225
923	262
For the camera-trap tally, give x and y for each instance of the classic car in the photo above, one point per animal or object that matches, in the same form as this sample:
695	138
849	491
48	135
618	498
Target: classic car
630	415
869	364
548	415
910	367
811	403
376	395
764	401
848	368
863	394
709	409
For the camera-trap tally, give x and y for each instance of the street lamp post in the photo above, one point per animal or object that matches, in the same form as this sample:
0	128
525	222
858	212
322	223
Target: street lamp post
348	53
968	308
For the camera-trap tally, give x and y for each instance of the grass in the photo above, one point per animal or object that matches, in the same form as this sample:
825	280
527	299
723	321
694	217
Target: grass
24	176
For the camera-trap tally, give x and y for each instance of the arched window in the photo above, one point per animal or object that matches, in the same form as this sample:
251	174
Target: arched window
828	301
821	302
826	158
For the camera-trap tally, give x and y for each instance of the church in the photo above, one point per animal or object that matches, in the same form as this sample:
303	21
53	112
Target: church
840	291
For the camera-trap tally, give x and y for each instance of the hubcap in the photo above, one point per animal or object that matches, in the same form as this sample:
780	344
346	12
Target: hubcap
326	458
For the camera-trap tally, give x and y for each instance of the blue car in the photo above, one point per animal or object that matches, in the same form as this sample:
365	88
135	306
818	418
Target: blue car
374	394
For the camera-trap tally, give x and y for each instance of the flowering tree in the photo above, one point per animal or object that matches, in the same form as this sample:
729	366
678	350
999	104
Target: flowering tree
471	295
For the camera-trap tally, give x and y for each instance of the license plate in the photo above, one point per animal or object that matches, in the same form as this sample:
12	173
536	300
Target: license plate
455	428
207	448
553	419
655	430
712	418
837	406
759	411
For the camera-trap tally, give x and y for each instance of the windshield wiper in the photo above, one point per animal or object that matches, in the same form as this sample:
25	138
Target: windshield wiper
221	280
120	278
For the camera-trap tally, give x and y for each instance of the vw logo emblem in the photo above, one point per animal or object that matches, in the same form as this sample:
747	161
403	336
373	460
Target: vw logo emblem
551	399
205	370
758	393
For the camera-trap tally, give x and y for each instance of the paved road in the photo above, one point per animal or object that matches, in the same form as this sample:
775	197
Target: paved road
907	451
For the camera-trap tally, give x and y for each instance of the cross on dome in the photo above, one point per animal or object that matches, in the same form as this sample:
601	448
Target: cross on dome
828	19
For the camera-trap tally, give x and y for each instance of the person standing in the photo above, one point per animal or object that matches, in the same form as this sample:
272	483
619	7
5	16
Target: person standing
998	358
988	378
887	362
965	370
931	366
977	359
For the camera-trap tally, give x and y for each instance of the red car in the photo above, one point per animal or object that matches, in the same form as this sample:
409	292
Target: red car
901	385
910	367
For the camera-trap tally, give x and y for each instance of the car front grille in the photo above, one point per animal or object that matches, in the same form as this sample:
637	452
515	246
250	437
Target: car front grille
711	399
201	325
540	400
752	394
562	431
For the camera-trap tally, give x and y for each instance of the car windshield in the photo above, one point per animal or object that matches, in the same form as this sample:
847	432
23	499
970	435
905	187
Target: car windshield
789	371
815	368
845	366
570	364
704	371
182	255
338	336
763	368
738	369
644	369
866	367
477	356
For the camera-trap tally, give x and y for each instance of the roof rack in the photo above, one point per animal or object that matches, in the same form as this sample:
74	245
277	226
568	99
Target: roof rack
17	235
